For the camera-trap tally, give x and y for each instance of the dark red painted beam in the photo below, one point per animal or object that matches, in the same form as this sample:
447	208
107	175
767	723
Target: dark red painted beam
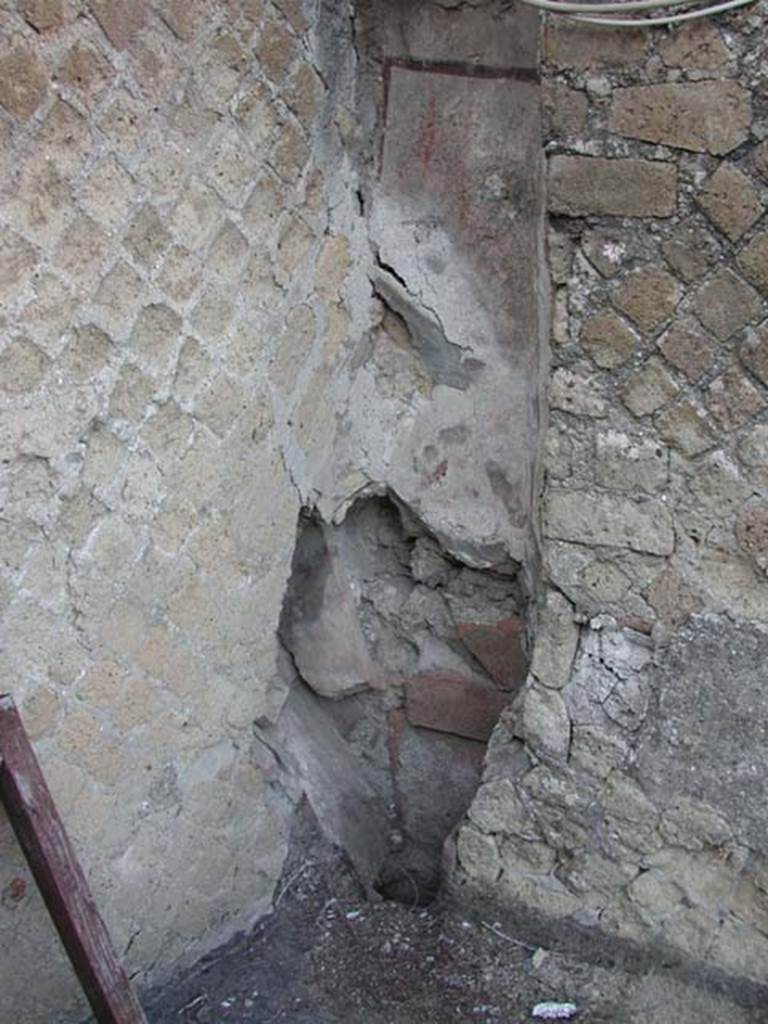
42	837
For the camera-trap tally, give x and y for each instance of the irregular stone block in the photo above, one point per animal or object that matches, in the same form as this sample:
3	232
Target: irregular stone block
23	81
556	642
584	185
320	625
586	518
569	45
696	45
730	200
686	347
726	303
683	426
454	704
753	260
576	393
546	723
672	599
626	463
648	296
691	251
478	855
713	672
706	117
608	340
733	399
650	388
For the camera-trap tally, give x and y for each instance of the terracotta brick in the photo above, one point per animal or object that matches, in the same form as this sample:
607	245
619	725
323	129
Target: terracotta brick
454	704
498	648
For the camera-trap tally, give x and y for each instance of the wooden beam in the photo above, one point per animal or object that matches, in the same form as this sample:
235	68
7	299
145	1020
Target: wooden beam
49	853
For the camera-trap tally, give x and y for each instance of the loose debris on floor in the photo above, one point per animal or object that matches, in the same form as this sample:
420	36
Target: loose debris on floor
327	956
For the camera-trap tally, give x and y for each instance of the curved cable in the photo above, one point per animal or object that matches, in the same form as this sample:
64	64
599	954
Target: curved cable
672	19
568	7
589	12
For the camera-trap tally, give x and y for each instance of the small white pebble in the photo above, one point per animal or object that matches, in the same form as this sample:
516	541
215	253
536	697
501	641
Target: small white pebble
554	1011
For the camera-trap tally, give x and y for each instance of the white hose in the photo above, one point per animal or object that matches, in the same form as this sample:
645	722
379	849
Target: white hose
568	7
586	12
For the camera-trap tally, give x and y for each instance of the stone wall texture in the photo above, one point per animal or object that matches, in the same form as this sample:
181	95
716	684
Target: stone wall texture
633	804
251	270
227	298
167	273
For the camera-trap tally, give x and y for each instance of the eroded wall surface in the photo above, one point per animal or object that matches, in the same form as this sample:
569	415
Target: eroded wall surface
166	273
224	304
624	793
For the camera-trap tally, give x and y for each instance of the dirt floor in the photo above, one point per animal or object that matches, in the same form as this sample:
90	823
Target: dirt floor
329	956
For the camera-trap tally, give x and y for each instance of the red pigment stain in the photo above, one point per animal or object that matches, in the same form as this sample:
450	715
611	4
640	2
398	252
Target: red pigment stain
428	135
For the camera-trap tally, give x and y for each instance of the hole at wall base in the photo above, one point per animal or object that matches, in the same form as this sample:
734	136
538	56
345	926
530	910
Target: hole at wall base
401	659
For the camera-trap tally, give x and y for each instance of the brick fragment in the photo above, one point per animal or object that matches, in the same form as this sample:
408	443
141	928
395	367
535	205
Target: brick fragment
499	649
584	185
730	201
706	117
454	704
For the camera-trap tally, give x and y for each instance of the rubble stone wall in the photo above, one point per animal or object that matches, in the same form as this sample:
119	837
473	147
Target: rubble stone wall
624	793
